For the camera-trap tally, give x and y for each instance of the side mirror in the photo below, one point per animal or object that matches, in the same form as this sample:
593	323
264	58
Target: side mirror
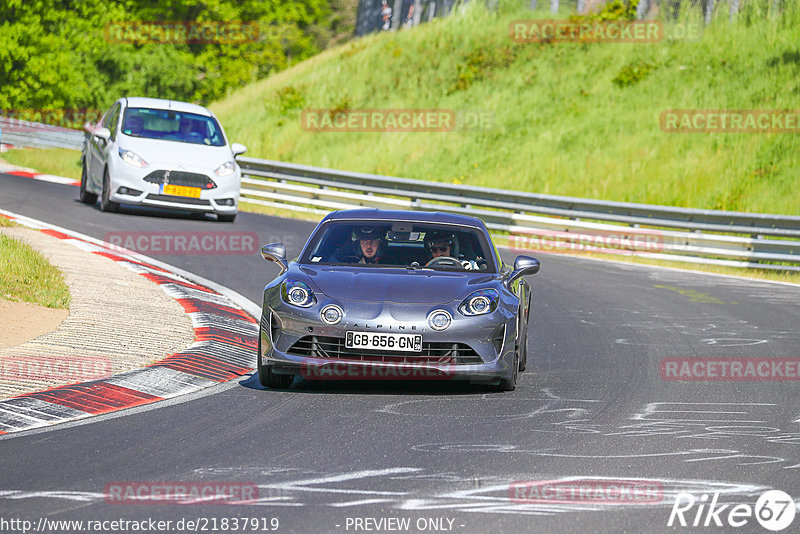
276	252
238	149
523	266
102	133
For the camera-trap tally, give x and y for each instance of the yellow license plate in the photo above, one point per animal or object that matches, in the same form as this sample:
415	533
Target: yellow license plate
182	191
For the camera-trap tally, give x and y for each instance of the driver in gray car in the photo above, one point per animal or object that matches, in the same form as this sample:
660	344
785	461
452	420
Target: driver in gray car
445	244
441	244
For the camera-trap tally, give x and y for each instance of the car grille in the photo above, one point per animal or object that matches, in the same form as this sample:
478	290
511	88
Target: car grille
432	352
179	200
188	179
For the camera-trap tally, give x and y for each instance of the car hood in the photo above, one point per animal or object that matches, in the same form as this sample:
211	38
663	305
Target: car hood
392	285
169	154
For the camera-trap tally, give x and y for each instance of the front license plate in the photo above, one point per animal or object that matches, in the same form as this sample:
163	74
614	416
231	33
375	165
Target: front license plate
375	341
182	191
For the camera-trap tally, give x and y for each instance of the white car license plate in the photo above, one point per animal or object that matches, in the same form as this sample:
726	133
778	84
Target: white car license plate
383	341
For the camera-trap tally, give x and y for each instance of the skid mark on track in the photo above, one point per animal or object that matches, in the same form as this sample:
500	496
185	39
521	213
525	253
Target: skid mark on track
508	409
707	326
688	425
750	290
409	489
692	294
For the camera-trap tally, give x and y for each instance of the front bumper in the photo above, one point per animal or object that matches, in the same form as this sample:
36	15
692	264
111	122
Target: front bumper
295	341
222	199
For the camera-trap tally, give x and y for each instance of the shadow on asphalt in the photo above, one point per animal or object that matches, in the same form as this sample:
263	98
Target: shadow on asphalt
156	213
374	387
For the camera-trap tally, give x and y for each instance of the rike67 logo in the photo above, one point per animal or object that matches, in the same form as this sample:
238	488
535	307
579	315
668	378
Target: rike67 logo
774	510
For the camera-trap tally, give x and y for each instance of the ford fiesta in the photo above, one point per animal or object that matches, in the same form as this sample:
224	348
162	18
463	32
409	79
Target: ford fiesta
164	154
395	294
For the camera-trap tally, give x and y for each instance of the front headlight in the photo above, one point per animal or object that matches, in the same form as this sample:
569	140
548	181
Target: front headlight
479	303
132	158
331	314
439	320
297	294
226	169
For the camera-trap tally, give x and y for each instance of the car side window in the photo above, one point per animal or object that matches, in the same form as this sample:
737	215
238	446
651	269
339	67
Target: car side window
107	116
114	121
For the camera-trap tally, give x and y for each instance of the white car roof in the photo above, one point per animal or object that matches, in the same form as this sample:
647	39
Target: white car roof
159	103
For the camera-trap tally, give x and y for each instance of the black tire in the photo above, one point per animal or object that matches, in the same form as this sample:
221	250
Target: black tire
510	384
523	353
83	195
105	200
267	378
226	217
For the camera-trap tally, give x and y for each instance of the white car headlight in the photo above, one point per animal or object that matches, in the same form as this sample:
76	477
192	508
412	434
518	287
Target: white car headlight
132	158
226	169
479	303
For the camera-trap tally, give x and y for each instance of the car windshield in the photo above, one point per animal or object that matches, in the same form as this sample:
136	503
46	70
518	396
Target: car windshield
168	125
400	244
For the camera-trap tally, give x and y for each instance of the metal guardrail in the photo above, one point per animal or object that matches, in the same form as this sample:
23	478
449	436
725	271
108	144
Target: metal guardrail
35	135
542	222
528	220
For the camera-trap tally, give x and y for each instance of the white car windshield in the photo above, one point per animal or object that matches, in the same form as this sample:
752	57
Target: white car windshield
168	125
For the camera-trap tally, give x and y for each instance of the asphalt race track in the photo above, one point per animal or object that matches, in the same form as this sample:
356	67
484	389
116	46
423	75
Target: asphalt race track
593	404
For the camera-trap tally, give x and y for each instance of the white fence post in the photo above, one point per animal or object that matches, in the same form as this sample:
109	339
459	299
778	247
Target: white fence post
734	9
642	8
709	11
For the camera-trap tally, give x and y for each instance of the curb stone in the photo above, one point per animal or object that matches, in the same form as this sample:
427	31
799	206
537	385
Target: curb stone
226	339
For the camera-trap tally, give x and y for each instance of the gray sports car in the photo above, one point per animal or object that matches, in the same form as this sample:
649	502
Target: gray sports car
407	295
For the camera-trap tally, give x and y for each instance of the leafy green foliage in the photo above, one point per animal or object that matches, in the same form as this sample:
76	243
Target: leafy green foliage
633	73
289	98
479	64
59	54
618	10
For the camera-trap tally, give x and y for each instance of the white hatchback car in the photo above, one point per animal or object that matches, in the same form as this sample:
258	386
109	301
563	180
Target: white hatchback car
161	153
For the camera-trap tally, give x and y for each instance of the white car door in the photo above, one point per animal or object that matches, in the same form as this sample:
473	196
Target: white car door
99	148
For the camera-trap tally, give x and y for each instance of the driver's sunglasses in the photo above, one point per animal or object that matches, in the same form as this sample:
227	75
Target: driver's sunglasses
444	248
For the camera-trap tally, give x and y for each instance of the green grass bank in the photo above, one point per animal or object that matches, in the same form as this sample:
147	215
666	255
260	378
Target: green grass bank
578	119
25	275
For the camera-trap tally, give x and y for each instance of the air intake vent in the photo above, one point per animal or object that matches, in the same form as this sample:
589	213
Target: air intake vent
432	352
188	179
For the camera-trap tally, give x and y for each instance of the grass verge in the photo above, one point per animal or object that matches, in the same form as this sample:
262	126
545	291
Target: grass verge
26	276
55	161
